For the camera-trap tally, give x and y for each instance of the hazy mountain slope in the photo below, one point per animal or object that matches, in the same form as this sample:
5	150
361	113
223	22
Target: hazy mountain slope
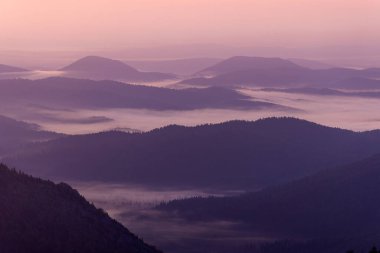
242	63
177	66
269	72
311	64
94	67
255	77
359	83
80	93
9	69
327	207
355	92
40	216
311	91
96	63
235	154
16	134
283	77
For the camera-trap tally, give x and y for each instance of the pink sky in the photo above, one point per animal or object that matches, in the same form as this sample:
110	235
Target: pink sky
101	24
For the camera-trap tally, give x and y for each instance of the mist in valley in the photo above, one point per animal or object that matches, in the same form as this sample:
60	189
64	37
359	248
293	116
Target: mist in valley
189	126
355	113
63	111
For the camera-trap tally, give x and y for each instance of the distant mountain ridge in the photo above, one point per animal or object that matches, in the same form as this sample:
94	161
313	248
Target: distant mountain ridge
232	155
274	72
96	63
355	91
311	64
95	67
10	69
81	93
40	216
242	63
185	67
358	83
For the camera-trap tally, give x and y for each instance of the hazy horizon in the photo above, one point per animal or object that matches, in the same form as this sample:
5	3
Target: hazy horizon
59	31
100	24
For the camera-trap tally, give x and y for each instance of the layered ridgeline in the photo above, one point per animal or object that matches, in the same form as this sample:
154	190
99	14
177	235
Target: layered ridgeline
95	67
311	64
177	66
81	93
332	211
276	72
361	91
17	134
242	63
40	216
234	155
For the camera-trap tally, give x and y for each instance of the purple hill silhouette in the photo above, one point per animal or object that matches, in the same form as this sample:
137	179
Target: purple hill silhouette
311	64
176	66
241	63
10	69
273	72
82	93
95	67
359	83
231	155
357	90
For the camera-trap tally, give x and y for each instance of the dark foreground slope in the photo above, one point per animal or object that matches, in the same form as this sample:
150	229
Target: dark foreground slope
332	211
40	216
234	154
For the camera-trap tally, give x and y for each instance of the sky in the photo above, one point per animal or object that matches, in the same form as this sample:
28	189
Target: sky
116	24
